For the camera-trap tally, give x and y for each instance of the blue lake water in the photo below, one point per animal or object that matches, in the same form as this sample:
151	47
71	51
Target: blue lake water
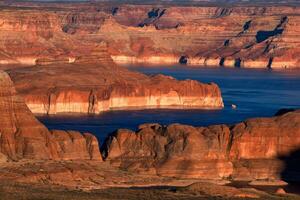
257	93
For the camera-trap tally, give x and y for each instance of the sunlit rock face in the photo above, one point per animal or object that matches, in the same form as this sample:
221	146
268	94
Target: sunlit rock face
96	87
245	36
22	136
231	36
256	149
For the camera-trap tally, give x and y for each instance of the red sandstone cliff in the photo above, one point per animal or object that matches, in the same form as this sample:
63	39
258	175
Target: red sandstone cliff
22	136
96	87
249	150
236	36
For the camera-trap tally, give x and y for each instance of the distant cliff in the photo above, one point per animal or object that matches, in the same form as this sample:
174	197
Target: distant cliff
230	36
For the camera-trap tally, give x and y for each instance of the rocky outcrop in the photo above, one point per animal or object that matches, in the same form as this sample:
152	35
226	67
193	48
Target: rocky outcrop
22	136
251	150
96	87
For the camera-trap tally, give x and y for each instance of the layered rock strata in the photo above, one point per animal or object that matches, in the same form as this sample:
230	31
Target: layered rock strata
229	36
257	149
96	87
22	136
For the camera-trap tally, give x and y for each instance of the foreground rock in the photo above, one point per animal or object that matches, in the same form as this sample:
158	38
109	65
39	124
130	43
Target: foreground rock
22	136
257	149
244	35
95	87
91	180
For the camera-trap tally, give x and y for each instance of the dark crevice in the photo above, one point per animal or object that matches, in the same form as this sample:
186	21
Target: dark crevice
267	48
114	10
222	12
249	46
162	13
153	13
247	25
264	35
226	43
229	144
92	102
153	16
183	60
237	63
222	62
282	22
269	66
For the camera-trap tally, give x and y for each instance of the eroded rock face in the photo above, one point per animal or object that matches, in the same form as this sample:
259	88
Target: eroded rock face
231	36
242	36
249	150
96	87
22	136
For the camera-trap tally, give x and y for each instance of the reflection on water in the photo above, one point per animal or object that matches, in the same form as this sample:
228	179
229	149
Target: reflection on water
255	92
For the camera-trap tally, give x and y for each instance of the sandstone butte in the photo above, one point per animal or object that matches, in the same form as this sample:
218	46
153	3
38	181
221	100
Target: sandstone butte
97	87
22	136
263	36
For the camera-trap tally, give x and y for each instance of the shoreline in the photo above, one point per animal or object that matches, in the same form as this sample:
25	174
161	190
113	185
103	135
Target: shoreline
104	106
203	62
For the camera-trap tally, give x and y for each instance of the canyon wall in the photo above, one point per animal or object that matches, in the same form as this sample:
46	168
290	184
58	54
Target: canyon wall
22	136
257	149
255	37
97	87
229	36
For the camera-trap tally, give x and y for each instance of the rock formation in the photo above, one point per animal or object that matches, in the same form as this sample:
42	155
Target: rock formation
231	36
59	62
96	87
22	136
250	150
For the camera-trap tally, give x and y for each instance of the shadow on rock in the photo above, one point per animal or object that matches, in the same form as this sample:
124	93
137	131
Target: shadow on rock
291	170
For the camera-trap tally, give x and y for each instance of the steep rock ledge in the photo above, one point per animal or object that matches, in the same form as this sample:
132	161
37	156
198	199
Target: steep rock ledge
257	149
96	87
22	136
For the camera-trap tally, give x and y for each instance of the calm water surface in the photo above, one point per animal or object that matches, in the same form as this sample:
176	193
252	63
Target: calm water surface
255	92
